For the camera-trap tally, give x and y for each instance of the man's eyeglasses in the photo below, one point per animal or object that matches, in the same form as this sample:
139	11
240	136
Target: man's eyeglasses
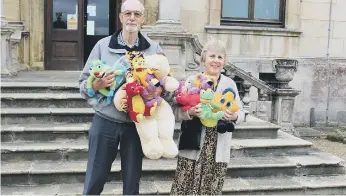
129	14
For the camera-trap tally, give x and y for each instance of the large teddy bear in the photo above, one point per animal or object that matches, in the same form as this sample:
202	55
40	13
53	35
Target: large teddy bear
156	130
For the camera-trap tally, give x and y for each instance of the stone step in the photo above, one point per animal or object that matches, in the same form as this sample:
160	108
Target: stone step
76	149
45	115
284	185
51	132
39	87
48	172
42	100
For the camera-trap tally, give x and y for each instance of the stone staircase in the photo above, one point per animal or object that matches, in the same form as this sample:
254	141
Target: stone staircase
44	131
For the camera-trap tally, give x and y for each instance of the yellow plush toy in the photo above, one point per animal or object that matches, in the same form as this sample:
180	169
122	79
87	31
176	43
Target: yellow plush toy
224	101
156	132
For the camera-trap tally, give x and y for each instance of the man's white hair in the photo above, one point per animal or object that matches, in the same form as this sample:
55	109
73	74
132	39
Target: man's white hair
136	3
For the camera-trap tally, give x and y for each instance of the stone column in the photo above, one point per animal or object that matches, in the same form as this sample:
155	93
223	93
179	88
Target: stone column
6	57
169	17
181	47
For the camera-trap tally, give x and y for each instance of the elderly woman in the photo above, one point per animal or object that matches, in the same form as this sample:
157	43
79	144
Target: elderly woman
204	152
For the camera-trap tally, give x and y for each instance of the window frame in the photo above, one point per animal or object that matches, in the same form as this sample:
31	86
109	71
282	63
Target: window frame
251	21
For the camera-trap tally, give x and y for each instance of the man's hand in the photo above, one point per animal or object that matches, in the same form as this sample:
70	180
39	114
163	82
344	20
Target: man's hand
230	116
152	94
194	111
106	81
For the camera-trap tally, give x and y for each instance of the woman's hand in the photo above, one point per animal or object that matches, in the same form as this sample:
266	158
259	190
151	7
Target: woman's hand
230	116
194	111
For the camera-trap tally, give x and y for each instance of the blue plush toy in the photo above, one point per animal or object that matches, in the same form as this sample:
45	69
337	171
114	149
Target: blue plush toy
97	70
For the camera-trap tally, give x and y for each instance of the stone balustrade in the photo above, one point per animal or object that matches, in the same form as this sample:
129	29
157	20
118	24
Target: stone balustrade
12	33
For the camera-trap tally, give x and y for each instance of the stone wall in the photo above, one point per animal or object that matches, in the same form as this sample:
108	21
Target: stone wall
31	13
304	37
312	79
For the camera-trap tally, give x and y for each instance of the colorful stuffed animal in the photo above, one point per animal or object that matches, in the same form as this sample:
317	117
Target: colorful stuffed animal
204	81
224	101
124	66
136	107
227	102
98	69
155	131
147	77
206	106
188	98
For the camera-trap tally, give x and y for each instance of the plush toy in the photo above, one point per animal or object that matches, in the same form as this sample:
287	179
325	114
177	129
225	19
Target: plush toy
224	101
123	65
204	81
227	102
155	131
136	107
98	69
148	77
206	106
188	98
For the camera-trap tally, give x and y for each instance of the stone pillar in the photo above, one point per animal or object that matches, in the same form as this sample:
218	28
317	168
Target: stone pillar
169	17
284	97
181	48
6	57
283	105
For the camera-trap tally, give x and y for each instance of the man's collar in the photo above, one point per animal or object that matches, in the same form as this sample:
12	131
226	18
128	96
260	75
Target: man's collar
143	43
122	42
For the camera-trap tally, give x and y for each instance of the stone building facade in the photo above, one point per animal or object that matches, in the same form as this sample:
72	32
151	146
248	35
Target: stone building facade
301	33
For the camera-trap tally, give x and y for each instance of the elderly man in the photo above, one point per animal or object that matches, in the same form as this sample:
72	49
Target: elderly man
109	126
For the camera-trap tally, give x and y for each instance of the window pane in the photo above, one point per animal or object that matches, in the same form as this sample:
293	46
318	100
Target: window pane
267	9
65	14
235	8
98	17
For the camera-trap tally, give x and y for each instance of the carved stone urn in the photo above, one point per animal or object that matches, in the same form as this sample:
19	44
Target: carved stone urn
285	69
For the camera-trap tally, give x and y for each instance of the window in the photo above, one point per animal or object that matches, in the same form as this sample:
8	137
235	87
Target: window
65	14
253	12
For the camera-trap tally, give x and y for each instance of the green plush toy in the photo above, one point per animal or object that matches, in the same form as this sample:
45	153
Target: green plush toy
98	69
206	106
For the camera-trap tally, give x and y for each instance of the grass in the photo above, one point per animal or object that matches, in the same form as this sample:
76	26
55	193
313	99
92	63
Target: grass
338	135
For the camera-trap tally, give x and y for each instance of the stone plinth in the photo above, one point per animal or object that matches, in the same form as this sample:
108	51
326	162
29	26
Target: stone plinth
283	105
6	55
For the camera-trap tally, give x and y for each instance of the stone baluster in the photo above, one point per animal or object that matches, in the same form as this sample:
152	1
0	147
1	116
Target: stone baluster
246	99
262	108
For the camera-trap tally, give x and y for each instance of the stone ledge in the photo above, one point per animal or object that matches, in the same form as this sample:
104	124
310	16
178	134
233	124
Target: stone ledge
280	185
261	31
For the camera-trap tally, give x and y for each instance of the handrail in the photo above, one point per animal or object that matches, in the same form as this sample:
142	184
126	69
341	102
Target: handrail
248	77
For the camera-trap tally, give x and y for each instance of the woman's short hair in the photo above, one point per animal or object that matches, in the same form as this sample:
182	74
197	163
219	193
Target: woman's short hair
213	45
125	3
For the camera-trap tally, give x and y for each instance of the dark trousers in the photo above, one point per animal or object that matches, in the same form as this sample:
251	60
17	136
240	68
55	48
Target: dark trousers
104	138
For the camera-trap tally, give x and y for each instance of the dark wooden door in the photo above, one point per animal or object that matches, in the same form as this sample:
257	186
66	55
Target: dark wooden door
64	31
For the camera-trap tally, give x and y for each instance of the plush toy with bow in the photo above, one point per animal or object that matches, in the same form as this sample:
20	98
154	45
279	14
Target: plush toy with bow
97	70
155	132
